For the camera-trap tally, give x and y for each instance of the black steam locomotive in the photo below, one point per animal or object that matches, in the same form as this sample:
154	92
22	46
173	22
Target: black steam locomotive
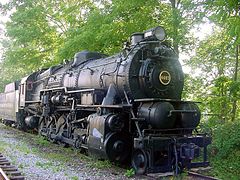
116	107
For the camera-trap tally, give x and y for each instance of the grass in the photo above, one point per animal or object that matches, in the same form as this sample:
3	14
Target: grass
23	148
129	173
226	167
3	146
101	164
40	140
58	157
225	153
74	178
50	165
21	166
45	165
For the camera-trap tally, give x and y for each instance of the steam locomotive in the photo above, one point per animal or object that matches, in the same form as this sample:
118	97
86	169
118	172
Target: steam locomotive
120	107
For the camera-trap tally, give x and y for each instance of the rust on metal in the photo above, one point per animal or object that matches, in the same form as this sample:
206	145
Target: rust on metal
3	176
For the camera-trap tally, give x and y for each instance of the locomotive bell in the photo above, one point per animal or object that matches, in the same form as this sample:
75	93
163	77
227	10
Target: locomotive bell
157	114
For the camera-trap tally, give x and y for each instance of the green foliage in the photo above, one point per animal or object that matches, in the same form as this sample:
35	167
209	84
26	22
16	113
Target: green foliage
102	164
130	172
213	84
44	32
216	87
41	141
24	148
106	29
45	165
226	138
226	13
234	88
225	150
3	146
74	178
216	82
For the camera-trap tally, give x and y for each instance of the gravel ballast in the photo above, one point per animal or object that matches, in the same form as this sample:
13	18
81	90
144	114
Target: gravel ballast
39	159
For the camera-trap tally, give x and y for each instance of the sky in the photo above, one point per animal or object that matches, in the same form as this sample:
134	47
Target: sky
201	32
3	19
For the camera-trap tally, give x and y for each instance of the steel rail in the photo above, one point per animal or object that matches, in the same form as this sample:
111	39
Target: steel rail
201	176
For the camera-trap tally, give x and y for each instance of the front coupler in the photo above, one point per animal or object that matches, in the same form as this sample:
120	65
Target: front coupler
165	153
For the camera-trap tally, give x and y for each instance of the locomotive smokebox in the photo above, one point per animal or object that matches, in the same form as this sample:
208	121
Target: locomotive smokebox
157	114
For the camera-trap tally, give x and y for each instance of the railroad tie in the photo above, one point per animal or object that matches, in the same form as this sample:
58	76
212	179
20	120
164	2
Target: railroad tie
8	171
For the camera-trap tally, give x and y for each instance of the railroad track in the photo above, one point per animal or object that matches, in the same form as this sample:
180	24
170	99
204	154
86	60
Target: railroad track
200	176
8	171
154	176
191	176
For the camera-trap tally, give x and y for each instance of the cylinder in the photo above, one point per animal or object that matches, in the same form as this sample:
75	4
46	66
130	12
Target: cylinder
158	114
190	120
115	123
31	121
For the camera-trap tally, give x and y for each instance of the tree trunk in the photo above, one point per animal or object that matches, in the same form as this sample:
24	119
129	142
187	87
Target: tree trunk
175	25
235	77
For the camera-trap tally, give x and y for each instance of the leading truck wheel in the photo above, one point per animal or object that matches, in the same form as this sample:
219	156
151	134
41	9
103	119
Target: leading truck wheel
117	147
139	161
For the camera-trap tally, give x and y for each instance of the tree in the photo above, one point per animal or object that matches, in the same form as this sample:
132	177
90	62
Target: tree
44	32
214	61
37	31
227	15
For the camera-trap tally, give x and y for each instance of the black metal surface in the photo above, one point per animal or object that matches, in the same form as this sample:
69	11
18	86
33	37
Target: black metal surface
117	147
32	121
140	161
163	100
83	56
157	114
189	120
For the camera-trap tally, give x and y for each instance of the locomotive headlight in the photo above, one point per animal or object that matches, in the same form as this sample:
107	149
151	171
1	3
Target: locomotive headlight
155	33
